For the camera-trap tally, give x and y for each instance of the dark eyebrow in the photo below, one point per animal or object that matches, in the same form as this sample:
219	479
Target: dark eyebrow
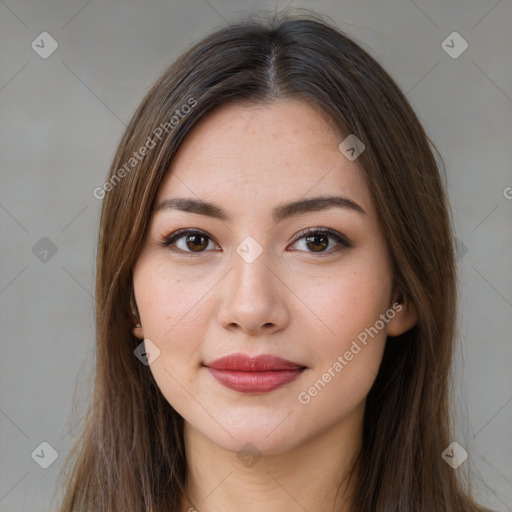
284	211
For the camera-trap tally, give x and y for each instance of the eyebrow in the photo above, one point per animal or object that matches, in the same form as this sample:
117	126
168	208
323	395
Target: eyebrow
284	211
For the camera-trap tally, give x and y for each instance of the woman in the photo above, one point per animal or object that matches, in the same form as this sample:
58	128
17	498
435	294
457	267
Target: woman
275	291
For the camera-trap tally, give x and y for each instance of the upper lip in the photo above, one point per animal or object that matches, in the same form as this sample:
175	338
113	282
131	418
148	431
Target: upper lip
245	363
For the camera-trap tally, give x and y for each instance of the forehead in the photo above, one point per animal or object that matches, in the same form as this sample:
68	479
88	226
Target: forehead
249	155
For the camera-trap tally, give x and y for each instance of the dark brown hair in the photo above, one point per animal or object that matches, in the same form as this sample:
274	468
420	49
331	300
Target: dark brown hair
131	454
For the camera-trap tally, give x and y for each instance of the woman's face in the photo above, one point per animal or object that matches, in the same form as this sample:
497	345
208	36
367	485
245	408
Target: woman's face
251	283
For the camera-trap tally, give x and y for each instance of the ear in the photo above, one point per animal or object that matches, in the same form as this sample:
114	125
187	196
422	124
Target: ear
137	329
406	316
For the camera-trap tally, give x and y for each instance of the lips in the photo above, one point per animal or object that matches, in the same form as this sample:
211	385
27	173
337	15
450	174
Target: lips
260	374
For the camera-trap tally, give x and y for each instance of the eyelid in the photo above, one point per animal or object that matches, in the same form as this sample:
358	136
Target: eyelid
339	237
175	235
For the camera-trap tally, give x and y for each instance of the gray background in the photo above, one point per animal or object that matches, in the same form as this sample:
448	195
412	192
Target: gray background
61	120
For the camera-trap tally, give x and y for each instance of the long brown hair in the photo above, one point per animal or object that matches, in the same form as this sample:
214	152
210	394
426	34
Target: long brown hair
131	454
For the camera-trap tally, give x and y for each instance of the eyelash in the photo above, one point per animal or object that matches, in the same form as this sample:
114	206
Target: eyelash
338	237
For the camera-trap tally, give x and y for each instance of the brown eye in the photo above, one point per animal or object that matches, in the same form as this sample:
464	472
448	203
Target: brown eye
317	240
317	243
189	241
196	243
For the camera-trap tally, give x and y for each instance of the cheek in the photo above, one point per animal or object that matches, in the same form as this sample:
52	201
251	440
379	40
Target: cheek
348	302
348	354
174	313
171	312
169	302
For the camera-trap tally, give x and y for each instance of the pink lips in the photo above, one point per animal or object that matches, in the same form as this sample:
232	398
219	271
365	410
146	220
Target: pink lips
259	374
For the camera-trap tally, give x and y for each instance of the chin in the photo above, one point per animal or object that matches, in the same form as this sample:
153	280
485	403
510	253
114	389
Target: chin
271	436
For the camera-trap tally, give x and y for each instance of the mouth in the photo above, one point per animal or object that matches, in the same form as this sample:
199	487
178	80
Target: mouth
260	374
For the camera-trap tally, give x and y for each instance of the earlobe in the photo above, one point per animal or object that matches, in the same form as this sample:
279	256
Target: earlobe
137	329
406	317
138	333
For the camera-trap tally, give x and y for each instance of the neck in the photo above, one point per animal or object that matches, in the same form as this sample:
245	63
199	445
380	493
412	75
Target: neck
313	476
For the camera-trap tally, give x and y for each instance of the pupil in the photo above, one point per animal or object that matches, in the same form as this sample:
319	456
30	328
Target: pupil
312	238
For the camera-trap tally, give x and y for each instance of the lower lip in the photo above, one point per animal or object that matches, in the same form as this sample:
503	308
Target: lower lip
254	382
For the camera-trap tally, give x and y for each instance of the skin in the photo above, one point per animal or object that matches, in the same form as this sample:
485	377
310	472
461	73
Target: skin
294	302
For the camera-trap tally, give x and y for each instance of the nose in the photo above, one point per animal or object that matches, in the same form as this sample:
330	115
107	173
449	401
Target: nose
253	297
